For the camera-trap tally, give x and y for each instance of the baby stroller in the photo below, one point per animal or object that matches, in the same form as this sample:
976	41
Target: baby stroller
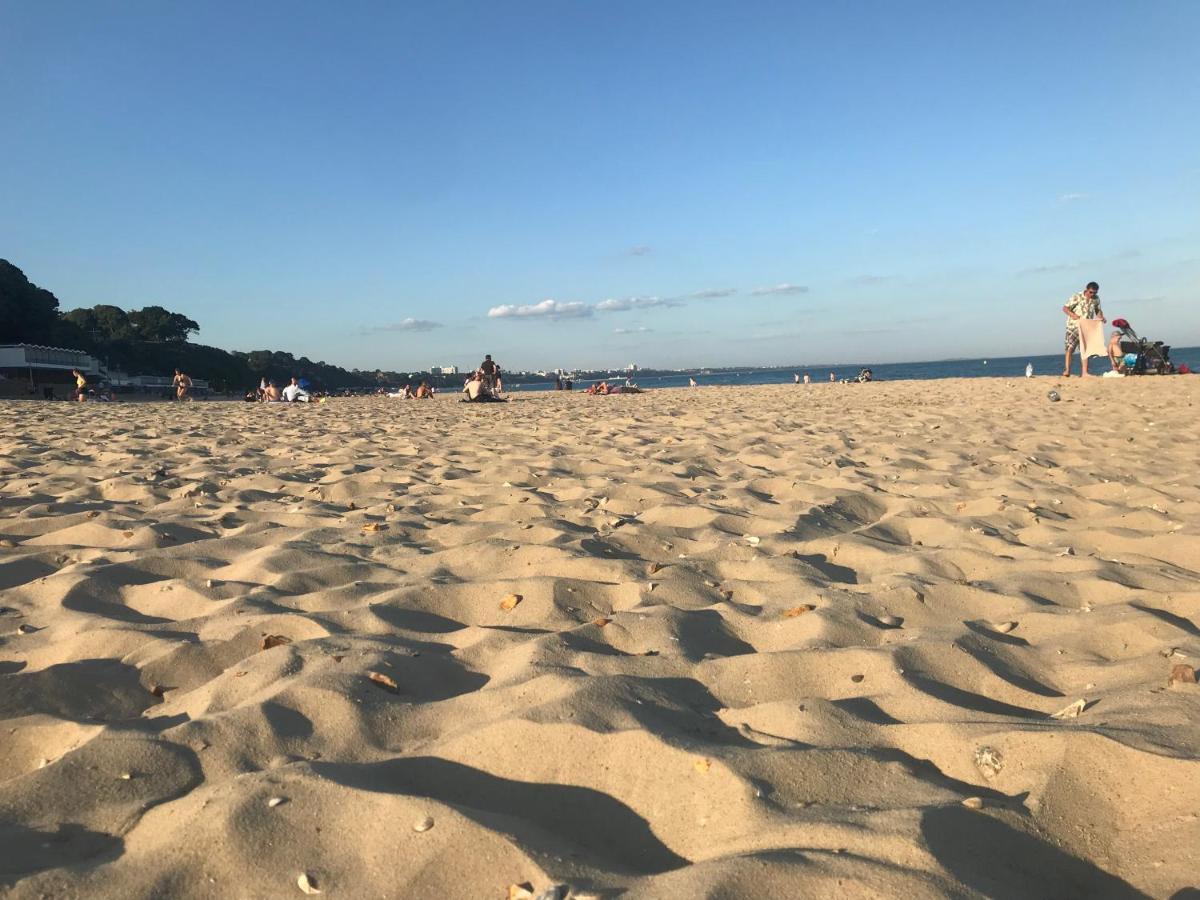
1143	357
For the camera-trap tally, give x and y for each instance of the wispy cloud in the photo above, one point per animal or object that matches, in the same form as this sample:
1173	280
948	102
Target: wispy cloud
1052	267
712	294
641	329
1072	198
409	324
780	290
639	250
872	279
547	309
622	304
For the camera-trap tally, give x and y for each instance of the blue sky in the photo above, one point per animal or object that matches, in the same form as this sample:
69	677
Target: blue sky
597	183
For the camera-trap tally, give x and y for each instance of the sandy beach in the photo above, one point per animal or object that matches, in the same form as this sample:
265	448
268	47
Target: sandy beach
909	639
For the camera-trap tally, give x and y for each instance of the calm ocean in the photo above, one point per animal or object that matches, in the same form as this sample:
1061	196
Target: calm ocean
1006	367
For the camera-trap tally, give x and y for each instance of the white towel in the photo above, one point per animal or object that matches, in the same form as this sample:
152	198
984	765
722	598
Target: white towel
1091	338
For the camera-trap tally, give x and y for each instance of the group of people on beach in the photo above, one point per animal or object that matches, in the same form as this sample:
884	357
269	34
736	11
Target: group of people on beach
485	384
1081	307
296	390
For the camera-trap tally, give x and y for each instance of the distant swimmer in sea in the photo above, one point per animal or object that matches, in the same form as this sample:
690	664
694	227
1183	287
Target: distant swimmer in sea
183	386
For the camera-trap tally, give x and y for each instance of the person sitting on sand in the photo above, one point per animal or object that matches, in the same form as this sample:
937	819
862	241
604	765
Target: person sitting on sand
475	388
1115	356
600	387
424	392
81	385
293	393
272	394
406	392
183	386
477	391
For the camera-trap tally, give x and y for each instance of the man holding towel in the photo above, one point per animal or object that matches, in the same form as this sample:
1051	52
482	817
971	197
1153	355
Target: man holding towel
1084	305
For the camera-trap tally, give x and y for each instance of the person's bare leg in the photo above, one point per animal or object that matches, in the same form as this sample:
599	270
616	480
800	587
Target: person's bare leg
1067	364
1083	372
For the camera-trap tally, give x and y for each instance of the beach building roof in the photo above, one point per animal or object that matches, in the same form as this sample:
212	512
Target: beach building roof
37	356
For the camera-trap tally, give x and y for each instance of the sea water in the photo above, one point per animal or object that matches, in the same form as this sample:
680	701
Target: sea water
1009	367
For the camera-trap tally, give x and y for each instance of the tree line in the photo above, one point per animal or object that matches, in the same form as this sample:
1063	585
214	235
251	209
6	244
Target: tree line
153	341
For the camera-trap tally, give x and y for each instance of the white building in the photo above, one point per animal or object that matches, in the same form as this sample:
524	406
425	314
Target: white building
443	370
31	357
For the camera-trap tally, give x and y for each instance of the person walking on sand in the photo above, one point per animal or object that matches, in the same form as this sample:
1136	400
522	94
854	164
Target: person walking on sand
80	385
1084	305
183	386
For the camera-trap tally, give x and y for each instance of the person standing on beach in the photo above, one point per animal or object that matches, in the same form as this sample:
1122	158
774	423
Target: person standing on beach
80	385
1084	305
488	371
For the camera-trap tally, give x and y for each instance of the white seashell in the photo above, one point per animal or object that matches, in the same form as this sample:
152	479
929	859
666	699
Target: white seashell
752	540
890	621
1002	627
423	825
1070	712
307	884
276	801
989	761
973	803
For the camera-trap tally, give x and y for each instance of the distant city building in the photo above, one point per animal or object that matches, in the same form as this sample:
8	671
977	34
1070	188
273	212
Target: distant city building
443	370
632	367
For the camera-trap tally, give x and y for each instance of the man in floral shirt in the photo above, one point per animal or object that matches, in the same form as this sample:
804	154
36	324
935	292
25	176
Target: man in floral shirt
1084	305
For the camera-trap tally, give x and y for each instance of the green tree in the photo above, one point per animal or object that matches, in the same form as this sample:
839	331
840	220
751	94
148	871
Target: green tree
28	313
153	323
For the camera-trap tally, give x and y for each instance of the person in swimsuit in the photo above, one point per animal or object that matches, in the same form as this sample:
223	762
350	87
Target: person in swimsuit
183	386
80	385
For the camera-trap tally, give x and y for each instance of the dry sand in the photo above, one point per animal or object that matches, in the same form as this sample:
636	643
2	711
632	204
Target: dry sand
777	641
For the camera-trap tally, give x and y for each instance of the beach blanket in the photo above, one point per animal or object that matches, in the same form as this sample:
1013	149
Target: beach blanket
1091	338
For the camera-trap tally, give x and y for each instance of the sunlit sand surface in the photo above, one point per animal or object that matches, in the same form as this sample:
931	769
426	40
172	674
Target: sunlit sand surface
777	641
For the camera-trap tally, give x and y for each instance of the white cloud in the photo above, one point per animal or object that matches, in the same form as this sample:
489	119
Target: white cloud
622	304
641	329
1071	198
780	290
408	324
639	250
712	294
547	309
